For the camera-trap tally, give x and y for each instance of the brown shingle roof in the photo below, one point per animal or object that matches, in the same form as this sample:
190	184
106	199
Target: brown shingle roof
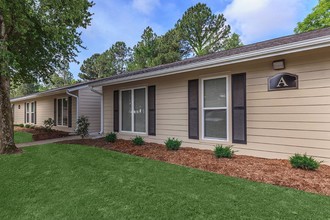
243	49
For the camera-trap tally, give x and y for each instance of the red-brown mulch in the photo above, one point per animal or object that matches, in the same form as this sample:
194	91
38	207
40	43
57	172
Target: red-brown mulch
39	134
272	171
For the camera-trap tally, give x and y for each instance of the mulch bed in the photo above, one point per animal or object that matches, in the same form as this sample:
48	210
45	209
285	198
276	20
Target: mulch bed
39	134
272	171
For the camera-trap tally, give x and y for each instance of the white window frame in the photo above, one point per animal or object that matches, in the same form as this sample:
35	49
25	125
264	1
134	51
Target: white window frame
215	108
132	110
57	124
29	119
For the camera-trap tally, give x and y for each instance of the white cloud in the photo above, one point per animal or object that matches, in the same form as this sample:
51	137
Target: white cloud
258	20
145	6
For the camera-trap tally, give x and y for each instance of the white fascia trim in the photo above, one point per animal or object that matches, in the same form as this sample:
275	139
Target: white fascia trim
243	57
45	93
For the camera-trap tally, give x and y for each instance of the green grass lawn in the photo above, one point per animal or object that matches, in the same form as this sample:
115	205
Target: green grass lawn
22	137
79	182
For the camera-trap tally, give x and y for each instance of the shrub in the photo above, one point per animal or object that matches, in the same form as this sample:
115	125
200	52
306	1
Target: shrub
304	162
82	126
49	123
27	126
173	143
19	125
138	140
111	137
221	151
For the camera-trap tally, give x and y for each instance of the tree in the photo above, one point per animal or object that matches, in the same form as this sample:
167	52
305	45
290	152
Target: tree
90	68
145	51
113	61
203	31
36	39
232	42
317	19
23	89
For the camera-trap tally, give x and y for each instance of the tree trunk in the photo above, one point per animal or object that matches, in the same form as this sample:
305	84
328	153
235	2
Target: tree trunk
7	144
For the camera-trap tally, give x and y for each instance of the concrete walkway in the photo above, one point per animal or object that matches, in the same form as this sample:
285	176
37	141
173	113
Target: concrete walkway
49	141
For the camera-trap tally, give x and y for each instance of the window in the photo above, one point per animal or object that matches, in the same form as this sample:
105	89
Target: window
62	111
133	110
32	112
27	112
30	109
215	108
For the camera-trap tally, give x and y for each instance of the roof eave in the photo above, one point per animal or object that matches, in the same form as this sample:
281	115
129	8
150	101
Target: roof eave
300	46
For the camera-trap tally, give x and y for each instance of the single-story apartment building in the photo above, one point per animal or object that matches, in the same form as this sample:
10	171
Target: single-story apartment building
269	99
64	105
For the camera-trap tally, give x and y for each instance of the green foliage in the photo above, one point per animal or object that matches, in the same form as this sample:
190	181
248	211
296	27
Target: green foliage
221	151
82	126
173	143
39	36
232	41
27	126
202	30
48	124
111	137
111	62
19	125
138	140
23	89
304	162
317	19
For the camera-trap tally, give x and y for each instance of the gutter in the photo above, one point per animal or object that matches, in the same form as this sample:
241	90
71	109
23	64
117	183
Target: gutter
102	108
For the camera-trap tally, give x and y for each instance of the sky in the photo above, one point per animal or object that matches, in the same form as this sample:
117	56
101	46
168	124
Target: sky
125	20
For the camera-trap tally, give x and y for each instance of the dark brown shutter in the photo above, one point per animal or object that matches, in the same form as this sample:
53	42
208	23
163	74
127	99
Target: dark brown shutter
239	108
35	112
24	112
116	111
152	110
55	112
70	112
193	106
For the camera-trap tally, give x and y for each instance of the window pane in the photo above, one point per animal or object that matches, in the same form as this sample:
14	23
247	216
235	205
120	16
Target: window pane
126	111
32	106
32	117
215	124
27	118
139	110
65	112
27	107
215	93
59	111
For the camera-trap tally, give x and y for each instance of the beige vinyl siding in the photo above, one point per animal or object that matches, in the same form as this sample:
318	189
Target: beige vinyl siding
279	123
45	110
90	106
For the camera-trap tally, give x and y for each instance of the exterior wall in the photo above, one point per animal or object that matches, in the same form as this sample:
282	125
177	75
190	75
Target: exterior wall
279	123
45	110
90	106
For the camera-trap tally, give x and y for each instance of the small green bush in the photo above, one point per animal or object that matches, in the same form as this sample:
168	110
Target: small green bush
138	140
27	126
111	137
48	124
304	162
173	144
19	125
221	151
82	126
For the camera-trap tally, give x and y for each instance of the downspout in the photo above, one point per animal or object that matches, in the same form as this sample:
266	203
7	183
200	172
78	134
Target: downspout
77	103
102	109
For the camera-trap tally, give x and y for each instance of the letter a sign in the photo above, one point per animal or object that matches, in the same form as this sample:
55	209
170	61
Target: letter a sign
283	81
